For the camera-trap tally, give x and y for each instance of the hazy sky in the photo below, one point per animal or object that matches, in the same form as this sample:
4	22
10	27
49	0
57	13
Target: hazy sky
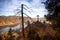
8	7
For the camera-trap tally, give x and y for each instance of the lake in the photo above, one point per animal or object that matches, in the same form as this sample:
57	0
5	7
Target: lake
6	29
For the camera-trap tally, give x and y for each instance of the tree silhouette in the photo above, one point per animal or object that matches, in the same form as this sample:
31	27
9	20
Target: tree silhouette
53	7
10	34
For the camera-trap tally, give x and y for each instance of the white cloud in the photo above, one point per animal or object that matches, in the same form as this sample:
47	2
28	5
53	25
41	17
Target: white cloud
35	5
36	1
39	11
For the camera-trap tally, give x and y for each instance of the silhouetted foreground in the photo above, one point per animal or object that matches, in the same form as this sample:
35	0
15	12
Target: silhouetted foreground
34	31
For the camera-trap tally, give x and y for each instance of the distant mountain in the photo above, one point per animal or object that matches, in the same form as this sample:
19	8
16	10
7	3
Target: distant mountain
14	20
40	19
9	20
